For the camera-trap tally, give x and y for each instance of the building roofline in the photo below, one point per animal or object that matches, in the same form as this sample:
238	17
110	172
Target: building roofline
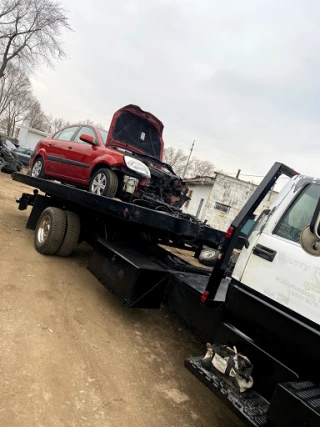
39	132
209	180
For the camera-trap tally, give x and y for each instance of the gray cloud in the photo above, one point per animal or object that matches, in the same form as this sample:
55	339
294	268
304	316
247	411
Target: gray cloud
241	78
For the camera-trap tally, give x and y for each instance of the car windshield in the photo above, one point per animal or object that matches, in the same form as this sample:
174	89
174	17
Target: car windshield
137	132
104	135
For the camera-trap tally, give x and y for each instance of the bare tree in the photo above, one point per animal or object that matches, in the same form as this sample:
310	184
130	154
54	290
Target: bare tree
176	158
16	112
30	31
14	84
55	124
36	118
200	167
88	122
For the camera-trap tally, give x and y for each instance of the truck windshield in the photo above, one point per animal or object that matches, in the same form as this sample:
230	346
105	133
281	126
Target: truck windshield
138	133
299	215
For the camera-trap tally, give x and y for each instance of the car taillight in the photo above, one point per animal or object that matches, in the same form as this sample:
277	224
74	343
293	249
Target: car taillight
229	232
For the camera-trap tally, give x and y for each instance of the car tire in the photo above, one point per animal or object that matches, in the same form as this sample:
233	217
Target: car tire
104	182
208	257
72	234
50	231
37	170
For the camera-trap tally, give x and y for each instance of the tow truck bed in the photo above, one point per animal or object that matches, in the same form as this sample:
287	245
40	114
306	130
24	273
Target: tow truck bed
150	219
171	280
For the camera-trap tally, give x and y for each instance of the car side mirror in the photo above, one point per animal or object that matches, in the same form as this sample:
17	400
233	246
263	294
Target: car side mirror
310	236
87	138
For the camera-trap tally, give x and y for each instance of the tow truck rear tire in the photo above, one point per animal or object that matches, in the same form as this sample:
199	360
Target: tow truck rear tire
50	231
104	182
71	238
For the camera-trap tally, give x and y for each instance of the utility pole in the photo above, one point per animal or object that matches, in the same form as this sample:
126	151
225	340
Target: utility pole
185	169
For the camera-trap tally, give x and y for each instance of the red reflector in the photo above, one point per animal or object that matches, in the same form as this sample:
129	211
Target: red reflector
204	296
126	212
229	232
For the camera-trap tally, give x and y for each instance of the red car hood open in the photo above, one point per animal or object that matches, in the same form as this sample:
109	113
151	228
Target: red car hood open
136	130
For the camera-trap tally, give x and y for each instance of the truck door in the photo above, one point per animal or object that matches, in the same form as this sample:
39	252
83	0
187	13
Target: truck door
278	267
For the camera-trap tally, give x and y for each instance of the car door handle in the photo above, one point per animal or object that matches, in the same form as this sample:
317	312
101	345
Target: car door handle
49	145
70	148
264	252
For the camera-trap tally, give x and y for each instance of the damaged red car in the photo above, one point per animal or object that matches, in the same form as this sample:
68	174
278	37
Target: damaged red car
125	162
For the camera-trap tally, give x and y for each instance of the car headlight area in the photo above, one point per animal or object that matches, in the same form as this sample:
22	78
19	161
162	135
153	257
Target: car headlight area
137	166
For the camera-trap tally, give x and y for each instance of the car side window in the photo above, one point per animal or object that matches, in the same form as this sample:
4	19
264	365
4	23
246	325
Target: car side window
88	131
67	134
299	215
56	136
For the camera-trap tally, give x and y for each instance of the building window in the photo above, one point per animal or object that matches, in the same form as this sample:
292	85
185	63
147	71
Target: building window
222	207
188	201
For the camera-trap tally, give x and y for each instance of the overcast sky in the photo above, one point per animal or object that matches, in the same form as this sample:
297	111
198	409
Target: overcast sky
241	78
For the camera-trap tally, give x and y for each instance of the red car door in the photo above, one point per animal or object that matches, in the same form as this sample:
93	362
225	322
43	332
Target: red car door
57	153
82	155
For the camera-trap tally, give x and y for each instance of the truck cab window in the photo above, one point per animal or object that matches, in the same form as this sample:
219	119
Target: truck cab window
299	214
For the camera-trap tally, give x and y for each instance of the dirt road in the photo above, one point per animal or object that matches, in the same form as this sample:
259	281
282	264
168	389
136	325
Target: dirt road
72	355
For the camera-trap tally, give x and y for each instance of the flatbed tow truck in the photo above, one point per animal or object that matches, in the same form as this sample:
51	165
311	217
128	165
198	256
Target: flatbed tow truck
268	307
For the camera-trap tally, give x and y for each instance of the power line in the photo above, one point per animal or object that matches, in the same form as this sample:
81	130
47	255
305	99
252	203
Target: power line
255	176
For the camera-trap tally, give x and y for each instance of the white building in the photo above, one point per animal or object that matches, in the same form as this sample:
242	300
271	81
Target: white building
219	199
28	137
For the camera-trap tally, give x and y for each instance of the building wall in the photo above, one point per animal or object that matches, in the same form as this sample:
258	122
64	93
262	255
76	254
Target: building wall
233	193
198	192
230	192
28	138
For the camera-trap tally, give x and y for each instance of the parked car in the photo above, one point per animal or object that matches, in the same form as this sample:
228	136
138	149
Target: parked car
23	154
125	162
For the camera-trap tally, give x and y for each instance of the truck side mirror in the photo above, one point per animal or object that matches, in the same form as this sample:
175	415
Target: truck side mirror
315	221
310	236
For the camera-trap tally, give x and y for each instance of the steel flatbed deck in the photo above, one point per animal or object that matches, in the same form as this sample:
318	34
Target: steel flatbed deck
161	222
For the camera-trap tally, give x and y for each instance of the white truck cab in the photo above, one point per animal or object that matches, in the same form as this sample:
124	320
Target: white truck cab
275	263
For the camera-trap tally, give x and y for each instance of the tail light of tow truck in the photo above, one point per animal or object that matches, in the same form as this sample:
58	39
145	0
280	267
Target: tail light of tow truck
229	232
204	296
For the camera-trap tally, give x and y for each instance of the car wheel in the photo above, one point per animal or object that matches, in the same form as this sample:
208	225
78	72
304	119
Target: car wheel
208	257
37	170
104	182
50	231
72	234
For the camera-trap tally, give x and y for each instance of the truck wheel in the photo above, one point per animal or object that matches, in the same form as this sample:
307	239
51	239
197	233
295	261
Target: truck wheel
50	231
72	234
104	182
37	170
208	257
